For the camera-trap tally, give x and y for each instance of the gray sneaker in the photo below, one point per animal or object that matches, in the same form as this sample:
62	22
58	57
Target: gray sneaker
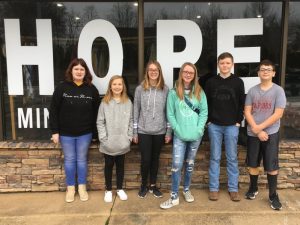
169	203
188	196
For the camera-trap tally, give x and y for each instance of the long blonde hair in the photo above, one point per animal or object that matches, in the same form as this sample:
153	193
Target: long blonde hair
195	89
161	82
109	94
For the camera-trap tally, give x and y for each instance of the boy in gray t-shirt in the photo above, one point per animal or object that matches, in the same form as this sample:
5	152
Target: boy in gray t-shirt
264	106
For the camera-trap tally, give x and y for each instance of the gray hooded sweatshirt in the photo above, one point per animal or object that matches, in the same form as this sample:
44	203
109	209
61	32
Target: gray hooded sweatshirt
150	111
114	124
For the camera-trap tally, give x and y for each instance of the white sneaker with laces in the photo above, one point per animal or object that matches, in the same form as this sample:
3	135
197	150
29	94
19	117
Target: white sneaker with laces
169	203
108	196
122	195
188	196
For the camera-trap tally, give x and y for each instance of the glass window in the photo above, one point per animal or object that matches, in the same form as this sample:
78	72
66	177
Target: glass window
26	115
206	16
291	119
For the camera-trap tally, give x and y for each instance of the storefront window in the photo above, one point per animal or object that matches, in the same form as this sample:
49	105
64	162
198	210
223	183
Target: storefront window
26	114
206	16
292	76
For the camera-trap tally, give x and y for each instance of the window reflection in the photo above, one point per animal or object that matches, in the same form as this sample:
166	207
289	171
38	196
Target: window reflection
68	20
206	16
292	75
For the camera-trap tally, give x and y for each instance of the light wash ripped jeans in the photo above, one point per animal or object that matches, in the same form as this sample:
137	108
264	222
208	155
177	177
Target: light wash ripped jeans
183	151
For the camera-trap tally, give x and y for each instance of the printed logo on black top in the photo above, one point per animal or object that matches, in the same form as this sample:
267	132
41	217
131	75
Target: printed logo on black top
65	95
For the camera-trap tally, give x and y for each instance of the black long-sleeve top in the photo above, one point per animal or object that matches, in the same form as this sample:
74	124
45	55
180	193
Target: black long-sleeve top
73	109
225	98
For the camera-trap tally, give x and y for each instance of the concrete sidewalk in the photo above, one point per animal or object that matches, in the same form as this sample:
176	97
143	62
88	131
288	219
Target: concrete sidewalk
49	208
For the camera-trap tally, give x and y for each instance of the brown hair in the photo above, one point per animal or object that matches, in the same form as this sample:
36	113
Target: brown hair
78	61
196	88
225	55
267	62
161	82
109	94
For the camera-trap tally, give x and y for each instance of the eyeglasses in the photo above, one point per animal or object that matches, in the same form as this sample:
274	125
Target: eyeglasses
153	70
187	72
266	70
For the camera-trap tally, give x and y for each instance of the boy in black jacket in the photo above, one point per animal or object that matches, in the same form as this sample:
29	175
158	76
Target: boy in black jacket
225	97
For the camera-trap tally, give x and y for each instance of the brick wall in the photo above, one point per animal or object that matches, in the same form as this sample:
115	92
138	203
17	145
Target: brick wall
34	166
291	116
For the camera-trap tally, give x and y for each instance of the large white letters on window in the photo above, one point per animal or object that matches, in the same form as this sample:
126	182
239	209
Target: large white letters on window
105	29
166	30
227	30
42	54
18	55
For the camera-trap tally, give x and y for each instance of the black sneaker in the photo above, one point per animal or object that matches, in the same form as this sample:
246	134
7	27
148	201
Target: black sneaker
275	202
143	191
251	194
155	191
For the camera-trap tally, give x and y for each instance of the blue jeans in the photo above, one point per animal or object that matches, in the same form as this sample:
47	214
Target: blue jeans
230	134
183	151
75	155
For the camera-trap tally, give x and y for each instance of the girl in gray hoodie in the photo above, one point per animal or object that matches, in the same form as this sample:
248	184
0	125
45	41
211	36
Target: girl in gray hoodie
151	129
114	124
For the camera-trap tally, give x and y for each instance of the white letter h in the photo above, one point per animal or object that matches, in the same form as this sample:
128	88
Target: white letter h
18	55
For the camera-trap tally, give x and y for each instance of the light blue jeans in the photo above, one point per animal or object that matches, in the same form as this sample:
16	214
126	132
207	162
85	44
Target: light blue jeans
230	134
75	155
183	151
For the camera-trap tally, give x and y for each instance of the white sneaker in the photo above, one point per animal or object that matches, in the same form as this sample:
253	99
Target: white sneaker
122	195
188	196
108	196
169	203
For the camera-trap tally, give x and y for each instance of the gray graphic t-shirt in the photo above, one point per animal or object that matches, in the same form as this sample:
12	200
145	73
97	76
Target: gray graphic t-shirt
264	104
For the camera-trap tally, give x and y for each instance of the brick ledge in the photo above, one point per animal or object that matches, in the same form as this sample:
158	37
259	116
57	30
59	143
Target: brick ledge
95	145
